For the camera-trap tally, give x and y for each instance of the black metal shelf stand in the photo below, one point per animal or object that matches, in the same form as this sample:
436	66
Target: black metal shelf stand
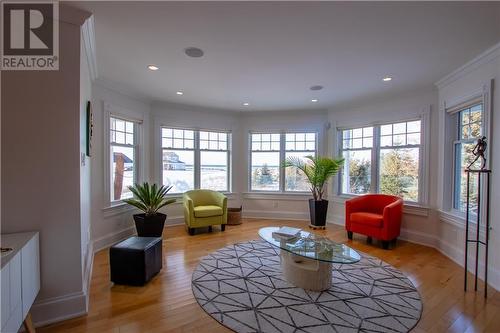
477	241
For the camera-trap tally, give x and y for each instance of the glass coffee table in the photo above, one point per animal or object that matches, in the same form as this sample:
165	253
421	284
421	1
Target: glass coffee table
306	260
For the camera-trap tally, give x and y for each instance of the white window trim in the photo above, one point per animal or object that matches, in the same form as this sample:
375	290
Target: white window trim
197	152
423	195
282	153
482	95
111	110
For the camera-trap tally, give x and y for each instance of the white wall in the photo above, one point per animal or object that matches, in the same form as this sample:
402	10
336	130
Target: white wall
85	170
418	222
41	170
466	81
111	225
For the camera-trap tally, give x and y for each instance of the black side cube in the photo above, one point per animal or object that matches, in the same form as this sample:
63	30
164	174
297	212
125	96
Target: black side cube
135	260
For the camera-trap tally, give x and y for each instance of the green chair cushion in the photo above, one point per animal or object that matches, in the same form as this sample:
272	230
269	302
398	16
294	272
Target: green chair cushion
207	211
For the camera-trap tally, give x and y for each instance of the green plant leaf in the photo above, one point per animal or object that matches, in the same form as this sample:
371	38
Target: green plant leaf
149	198
318	170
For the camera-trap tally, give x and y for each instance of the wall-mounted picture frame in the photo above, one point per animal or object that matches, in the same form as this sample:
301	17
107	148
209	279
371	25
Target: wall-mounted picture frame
90	128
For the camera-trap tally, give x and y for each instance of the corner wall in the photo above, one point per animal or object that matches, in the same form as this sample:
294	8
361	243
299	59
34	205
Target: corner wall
41	170
471	78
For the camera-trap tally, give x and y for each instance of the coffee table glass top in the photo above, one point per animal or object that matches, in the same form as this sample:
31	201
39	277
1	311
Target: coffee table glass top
312	246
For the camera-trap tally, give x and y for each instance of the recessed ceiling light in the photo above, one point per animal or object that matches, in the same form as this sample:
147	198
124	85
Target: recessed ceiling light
316	87
246	104
153	67
180	93
387	79
314	100
194	52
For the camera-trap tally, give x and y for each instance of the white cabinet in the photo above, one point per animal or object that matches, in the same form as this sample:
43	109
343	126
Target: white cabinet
30	266
11	299
20	278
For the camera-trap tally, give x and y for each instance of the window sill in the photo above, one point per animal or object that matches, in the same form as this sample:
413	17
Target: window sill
408	208
453	218
178	196
117	208
298	196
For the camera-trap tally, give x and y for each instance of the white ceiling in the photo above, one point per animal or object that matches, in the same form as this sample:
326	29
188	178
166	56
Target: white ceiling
270	53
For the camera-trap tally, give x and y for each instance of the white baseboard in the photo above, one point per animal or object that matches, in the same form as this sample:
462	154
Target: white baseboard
59	308
276	215
112	238
87	274
457	255
406	234
449	250
176	220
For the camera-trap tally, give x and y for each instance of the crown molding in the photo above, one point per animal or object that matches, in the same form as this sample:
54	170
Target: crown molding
88	37
72	15
485	57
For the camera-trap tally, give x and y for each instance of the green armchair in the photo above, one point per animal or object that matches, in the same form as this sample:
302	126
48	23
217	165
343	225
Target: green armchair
204	208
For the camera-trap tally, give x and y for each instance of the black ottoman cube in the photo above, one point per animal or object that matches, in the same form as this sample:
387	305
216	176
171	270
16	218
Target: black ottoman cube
135	260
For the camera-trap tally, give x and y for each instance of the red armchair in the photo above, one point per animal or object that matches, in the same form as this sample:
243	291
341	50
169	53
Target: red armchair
374	215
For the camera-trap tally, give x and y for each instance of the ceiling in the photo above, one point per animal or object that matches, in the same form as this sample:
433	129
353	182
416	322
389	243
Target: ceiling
269	53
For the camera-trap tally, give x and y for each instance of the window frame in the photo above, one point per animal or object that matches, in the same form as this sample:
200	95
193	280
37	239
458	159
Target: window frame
457	140
282	156
375	156
340	140
135	146
114	111
197	156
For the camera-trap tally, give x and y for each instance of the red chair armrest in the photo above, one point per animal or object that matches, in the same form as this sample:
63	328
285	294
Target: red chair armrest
392	219
351	206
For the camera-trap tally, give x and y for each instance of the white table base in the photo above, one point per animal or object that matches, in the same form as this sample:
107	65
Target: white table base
306	273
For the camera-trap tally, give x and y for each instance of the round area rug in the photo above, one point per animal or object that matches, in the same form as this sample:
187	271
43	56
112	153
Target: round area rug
241	286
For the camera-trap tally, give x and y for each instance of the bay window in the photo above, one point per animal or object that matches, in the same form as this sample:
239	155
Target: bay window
268	151
193	159
382	159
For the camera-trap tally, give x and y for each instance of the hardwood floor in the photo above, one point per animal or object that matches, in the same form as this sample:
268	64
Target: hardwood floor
166	304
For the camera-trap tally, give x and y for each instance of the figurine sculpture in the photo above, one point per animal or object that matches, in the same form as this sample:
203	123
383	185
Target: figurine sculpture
479	151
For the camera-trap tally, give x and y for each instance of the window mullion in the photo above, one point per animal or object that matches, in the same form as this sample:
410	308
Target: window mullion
197	159
282	160
374	187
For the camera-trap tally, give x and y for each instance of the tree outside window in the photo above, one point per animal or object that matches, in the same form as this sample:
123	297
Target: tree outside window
382	159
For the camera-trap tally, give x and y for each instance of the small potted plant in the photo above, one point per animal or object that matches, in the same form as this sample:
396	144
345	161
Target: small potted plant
149	199
318	170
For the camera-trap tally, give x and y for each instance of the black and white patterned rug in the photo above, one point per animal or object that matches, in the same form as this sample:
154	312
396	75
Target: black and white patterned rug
241	286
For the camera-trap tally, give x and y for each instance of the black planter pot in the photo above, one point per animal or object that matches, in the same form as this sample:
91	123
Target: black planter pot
317	212
149	226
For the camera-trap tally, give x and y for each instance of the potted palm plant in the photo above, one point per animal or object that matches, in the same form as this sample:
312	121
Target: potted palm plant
149	199
318	170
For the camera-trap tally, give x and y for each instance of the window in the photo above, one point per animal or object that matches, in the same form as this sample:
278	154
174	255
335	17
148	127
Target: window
195	159
178	159
357	152
382	159
123	153
298	145
269	151
400	159
265	162
214	156
470	128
